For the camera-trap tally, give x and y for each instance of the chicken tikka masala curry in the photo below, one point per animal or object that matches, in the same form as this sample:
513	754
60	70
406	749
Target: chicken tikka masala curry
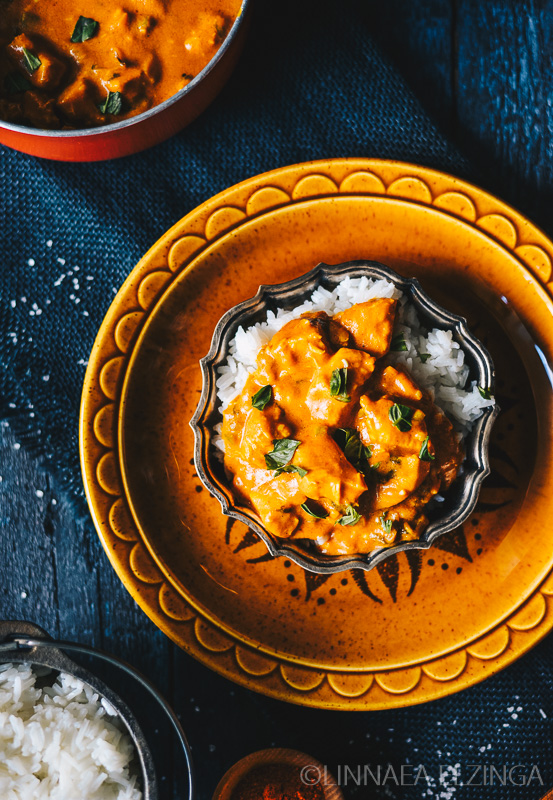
79	65
330	442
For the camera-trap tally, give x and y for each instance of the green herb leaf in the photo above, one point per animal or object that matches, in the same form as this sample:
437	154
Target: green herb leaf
263	397
291	468
386	523
15	82
424	452
84	30
424	357
349	442
351	517
339	384
485	393
112	104
401	417
398	345
282	452
30	61
314	513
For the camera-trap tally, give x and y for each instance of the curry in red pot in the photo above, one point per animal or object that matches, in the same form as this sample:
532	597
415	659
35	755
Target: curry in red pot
67	65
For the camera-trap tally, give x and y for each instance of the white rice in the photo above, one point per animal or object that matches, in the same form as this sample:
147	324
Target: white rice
60	742
444	374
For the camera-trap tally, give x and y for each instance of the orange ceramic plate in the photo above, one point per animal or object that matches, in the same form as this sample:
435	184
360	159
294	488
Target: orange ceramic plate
423	624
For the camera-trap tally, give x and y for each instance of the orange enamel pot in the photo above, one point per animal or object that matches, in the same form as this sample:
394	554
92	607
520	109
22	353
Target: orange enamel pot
144	130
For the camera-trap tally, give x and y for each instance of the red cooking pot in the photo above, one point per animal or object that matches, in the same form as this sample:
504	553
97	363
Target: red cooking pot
144	130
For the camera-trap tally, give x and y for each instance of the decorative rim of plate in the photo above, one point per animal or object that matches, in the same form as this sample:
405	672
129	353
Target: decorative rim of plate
293	293
176	615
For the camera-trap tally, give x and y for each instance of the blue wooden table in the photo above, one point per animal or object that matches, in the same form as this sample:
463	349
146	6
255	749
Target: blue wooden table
484	70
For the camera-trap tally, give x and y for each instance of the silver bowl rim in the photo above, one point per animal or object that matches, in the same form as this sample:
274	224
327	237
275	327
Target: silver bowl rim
476	445
100	130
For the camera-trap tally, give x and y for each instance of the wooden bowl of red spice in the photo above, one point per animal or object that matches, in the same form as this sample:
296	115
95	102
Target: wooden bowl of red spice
278	774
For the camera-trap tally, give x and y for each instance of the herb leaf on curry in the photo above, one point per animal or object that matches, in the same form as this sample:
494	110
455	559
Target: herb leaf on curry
263	397
291	468
339	384
318	512
386	524
113	103
424	453
30	61
354	450
401	416
282	452
351	517
84	30
15	82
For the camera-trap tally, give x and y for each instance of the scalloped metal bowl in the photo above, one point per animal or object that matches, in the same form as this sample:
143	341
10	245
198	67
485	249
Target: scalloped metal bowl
460	499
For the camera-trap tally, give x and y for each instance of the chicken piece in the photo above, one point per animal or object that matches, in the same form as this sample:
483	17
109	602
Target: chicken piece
397	385
78	102
274	501
128	81
406	473
251	432
448	451
378	431
331	480
334	410
370	324
39	66
208	33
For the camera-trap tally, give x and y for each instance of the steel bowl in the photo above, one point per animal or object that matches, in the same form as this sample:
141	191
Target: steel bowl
461	497
144	130
25	642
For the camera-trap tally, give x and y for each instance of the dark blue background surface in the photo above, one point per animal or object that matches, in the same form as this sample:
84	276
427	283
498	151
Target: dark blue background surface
460	85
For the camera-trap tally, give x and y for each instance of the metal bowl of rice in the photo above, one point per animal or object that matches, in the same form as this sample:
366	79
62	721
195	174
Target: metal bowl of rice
457	370
63	732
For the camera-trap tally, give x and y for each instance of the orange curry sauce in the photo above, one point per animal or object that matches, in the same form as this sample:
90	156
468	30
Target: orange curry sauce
75	65
329	442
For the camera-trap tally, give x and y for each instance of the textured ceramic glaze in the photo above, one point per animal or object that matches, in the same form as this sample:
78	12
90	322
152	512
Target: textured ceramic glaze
419	626
460	500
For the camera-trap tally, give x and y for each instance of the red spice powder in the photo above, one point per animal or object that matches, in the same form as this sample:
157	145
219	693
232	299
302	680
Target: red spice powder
275	782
